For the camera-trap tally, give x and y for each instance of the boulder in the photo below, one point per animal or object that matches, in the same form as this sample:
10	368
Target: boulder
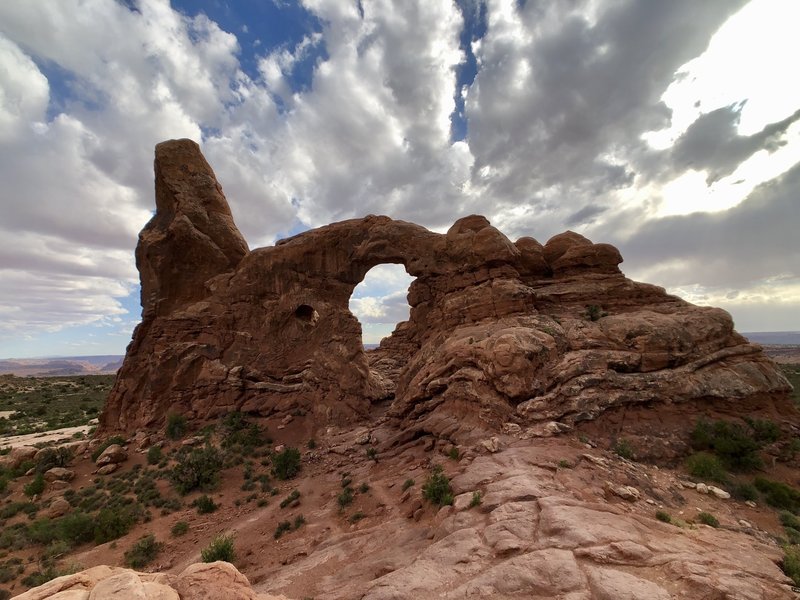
59	473
58	508
112	455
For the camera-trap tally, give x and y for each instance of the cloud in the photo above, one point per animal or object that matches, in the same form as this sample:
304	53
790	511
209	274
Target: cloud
564	93
752	244
557	135
713	144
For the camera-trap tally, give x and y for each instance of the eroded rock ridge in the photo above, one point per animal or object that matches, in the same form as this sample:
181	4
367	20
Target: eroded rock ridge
499	332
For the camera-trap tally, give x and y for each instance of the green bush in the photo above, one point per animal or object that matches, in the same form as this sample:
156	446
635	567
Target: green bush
180	528
663	516
372	454
708	519
286	464
291	499
779	494
345	498
205	505
198	469
154	455
77	528
453	454
706	466
764	430
745	491
143	552
35	487
407	484
735	445
282	528
791	563
238	431
220	548
623	449
356	517
111	524
476	500
437	488
176	426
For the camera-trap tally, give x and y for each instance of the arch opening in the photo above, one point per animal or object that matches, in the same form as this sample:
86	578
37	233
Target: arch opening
306	313
380	302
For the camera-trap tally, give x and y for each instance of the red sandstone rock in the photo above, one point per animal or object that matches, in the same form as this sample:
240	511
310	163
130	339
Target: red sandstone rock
498	332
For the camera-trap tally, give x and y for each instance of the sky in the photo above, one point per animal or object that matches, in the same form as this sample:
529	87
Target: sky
669	129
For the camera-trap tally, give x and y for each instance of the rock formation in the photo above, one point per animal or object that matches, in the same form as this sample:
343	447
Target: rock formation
197	582
499	332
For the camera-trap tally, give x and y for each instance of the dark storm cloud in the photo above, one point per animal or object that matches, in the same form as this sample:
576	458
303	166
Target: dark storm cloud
712	143
585	215
754	241
563	105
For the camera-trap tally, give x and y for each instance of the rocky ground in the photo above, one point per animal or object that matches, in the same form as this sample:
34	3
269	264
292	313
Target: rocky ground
542	517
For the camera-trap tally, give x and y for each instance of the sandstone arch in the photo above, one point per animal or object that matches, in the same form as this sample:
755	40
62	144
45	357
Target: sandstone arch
497	331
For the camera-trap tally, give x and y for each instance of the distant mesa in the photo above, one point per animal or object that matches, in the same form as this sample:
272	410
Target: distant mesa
500	333
62	366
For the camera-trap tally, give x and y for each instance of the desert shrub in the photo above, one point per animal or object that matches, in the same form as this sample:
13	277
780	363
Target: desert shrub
35	487
789	520
220	548
779	494
286	464
291	499
407	484
38	578
77	528
437	488
791	563
299	521
476	500
764	430
14	508
356	517
43	531
114	439
708	519
154	455
663	516
176	426
564	464
453	454
180	528
111	524
623	449
706	466
345	497
745	491
363	488
734	444
53	457
205	505
282	528
594	312
312	443
238	431
198	469
143	552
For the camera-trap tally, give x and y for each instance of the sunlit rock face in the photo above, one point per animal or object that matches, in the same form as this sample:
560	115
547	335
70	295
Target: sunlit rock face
499	331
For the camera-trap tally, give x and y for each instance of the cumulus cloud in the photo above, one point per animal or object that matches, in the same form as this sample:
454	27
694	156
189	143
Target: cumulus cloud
557	136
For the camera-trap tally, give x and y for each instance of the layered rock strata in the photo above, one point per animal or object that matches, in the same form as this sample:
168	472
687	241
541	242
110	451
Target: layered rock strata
499	331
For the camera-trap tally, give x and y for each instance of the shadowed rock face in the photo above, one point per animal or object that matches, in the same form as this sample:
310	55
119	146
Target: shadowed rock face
498	331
